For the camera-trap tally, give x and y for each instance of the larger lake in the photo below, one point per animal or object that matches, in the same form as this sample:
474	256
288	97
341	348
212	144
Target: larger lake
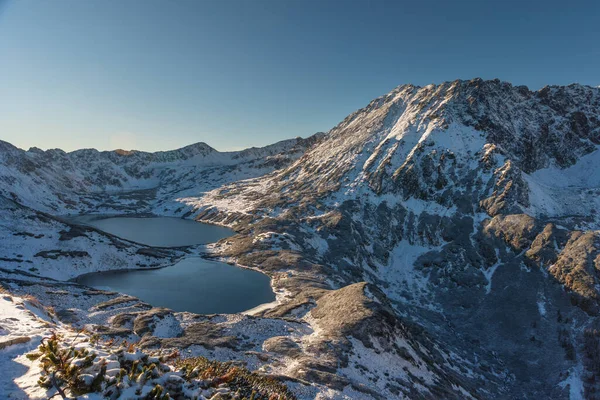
194	284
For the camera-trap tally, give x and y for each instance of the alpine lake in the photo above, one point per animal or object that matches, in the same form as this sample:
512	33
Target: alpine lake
193	284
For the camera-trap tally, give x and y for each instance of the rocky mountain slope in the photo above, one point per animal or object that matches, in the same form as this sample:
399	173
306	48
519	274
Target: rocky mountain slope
442	242
470	204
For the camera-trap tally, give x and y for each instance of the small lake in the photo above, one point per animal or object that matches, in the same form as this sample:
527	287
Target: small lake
194	284
157	231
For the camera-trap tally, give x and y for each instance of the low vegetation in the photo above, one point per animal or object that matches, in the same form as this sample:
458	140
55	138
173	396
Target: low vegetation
123	371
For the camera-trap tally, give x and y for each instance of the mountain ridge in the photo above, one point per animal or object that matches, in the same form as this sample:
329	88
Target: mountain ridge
399	126
190	149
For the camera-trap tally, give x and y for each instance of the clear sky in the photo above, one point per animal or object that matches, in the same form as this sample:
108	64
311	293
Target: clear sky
157	75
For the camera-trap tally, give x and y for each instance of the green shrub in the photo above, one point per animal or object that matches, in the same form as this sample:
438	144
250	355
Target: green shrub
62	368
73	372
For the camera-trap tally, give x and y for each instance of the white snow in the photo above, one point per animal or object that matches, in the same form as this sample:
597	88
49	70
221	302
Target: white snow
574	191
542	307
17	321
489	273
583	174
575	383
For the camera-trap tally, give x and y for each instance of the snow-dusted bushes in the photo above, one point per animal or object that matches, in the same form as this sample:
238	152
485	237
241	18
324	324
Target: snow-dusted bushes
67	369
124	371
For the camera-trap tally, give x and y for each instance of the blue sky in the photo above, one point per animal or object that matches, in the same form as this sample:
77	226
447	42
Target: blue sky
157	75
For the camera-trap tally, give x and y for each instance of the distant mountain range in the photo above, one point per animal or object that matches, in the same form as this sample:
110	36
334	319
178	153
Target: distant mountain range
54	180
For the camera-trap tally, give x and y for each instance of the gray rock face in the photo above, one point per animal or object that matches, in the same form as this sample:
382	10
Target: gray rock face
578	267
198	334
282	345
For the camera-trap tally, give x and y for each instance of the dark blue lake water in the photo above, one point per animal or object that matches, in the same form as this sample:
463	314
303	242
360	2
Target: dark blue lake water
194	284
157	231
